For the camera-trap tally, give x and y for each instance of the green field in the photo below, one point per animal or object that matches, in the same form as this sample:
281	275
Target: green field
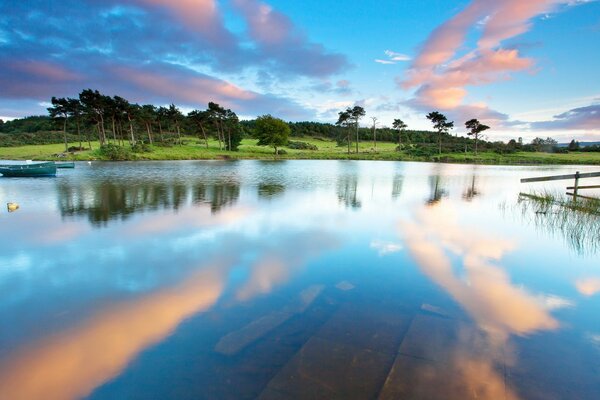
193	149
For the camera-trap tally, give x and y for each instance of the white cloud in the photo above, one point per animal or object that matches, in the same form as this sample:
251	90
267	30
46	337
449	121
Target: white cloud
397	56
384	248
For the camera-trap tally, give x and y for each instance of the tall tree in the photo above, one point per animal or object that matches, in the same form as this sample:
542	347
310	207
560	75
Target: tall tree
374	133
400	126
161	116
573	146
356	113
60	111
231	123
176	116
217	115
475	128
441	125
344	121
75	109
94	109
146	115
272	132
200	119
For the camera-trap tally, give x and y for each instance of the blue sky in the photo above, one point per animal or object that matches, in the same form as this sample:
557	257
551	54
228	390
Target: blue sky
526	68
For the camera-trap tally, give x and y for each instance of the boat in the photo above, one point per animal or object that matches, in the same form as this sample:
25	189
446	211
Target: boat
28	170
65	164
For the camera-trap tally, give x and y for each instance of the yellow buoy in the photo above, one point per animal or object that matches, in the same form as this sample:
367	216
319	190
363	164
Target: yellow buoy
12	207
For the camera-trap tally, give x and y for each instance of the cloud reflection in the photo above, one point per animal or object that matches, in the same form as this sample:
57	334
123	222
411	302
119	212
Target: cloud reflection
485	290
71	364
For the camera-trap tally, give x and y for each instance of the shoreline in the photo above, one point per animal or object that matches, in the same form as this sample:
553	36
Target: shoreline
193	151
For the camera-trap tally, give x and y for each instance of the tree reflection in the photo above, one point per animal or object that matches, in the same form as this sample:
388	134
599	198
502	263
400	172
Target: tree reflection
347	188
437	192
269	190
471	191
397	185
105	201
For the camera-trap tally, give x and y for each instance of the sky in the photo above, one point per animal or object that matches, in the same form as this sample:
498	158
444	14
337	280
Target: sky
526	68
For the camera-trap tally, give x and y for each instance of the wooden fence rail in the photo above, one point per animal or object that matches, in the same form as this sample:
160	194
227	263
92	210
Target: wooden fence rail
576	187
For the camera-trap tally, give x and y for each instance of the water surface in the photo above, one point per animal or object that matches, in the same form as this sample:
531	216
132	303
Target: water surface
294	279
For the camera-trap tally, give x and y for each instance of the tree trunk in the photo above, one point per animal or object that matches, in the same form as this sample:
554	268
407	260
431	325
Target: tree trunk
99	133
218	135
356	137
348	137
374	138
476	144
79	133
229	138
160	131
65	134
178	132
103	132
131	130
149	134
440	143
399	138
113	129
204	134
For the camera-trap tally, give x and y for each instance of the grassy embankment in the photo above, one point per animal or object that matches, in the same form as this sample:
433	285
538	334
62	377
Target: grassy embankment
193	149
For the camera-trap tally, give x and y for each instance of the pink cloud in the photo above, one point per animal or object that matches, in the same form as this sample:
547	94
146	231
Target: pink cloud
441	78
35	78
201	16
44	70
279	39
265	24
193	90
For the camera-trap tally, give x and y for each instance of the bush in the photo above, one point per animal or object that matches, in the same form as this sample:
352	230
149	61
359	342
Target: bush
140	147
73	149
422	151
302	146
281	151
114	152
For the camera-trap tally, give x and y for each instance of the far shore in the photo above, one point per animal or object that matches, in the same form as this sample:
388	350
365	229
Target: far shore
194	149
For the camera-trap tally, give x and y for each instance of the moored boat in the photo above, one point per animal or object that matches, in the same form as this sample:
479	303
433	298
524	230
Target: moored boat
28	170
65	164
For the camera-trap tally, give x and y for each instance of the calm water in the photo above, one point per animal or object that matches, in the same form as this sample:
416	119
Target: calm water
299	279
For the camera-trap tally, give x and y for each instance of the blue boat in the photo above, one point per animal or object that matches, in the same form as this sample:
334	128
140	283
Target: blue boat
28	170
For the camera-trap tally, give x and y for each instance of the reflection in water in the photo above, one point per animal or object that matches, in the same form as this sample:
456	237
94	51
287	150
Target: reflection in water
484	291
347	188
218	195
71	364
588	286
82	308
104	201
577	224
397	185
270	190
436	189
471	191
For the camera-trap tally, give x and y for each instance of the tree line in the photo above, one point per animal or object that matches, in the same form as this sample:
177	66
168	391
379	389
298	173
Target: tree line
115	120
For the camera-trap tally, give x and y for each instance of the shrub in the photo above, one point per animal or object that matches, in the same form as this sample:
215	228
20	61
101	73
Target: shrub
141	148
302	146
114	152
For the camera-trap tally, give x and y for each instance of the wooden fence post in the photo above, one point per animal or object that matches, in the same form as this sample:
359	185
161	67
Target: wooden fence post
576	186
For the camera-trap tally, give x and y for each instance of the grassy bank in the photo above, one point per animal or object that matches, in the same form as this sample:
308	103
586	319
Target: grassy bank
193	149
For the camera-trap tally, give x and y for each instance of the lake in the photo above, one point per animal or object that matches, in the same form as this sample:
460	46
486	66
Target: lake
295	279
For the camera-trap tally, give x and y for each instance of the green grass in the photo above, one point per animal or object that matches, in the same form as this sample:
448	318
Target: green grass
194	149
